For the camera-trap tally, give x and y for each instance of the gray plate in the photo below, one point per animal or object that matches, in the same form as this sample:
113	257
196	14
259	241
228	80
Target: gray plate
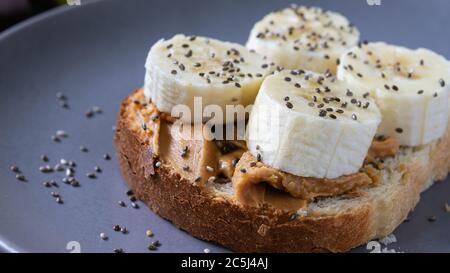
95	55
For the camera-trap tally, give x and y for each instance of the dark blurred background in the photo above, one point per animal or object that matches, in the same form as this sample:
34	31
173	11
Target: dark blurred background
14	11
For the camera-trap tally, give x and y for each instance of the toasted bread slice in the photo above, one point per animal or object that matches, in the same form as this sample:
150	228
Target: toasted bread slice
334	224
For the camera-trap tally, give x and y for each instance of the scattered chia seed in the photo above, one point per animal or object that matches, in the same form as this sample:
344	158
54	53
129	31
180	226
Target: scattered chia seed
84	149
103	236
61	96
124	230
152	247
432	219
149	233
70	172
118	250
61	133
122	204
158	164
59	168
116	228
64	104
134	205
91	175
399	130
15	169
234	162
44	158
188	54
56	139
89	113
59	200
107	157
258	157
98	169
21	177
75	183
46	169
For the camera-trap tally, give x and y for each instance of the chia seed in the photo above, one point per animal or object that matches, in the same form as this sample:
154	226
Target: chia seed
149	233
21	177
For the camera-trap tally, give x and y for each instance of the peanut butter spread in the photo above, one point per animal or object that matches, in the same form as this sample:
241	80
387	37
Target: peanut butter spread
382	147
188	154
252	173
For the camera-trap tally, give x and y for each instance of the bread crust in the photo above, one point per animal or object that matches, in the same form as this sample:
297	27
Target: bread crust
251	229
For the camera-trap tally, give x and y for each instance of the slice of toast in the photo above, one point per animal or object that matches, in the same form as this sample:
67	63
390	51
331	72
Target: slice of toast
328	224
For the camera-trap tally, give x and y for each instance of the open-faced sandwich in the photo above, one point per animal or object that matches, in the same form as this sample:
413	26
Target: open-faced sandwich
341	139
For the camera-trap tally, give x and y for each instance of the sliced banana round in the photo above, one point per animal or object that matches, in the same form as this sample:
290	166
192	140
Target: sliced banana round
311	125
183	68
303	37
409	86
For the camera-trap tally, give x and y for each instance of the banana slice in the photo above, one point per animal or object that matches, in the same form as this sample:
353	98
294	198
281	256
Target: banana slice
409	86
311	125
220	73
303	37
